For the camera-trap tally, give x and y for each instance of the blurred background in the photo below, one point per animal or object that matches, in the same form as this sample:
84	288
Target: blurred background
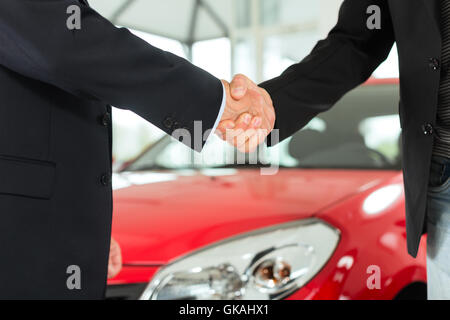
259	38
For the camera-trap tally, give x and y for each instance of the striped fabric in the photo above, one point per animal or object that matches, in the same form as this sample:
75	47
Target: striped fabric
442	137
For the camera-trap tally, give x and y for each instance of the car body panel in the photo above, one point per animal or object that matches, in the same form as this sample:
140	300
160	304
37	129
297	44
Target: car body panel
165	220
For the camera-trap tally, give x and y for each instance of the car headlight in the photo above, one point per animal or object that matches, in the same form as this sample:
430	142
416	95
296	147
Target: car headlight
264	265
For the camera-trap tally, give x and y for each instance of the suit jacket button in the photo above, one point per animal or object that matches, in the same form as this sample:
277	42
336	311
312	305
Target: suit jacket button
434	63
428	129
168	123
105	120
105	180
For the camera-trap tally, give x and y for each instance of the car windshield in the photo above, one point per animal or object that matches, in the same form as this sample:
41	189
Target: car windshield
361	132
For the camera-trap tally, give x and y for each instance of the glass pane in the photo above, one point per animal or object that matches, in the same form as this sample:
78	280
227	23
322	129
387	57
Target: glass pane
175	156
245	53
361	131
270	12
214	56
243	13
382	133
281	51
282	12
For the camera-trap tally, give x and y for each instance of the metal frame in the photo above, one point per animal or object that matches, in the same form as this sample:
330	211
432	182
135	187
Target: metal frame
189	42
259	33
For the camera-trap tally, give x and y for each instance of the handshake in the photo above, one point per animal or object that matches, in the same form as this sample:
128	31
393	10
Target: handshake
249	115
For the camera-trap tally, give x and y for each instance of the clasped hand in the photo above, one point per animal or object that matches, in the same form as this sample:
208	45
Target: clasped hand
249	115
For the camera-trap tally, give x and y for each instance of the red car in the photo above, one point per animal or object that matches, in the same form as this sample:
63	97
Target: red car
329	224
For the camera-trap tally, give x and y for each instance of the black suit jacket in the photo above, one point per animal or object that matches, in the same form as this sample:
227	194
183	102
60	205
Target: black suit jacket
56	88
348	57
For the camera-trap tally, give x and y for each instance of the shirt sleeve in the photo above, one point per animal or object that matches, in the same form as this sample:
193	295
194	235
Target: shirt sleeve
221	111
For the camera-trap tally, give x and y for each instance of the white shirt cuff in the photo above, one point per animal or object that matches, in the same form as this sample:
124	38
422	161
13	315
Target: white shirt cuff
221	111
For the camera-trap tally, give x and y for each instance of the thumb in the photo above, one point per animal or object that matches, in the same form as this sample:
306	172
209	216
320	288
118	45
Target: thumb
239	86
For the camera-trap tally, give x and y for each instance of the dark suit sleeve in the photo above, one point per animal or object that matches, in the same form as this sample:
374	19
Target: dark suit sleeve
105	63
345	59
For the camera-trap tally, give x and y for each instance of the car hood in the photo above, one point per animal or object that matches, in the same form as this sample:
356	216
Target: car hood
161	216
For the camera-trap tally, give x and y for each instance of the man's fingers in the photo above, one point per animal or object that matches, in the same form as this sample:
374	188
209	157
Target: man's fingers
251	140
242	139
229	130
244	121
256	122
223	127
246	140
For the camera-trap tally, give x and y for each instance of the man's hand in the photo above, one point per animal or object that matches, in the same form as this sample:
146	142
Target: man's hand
249	116
115	259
